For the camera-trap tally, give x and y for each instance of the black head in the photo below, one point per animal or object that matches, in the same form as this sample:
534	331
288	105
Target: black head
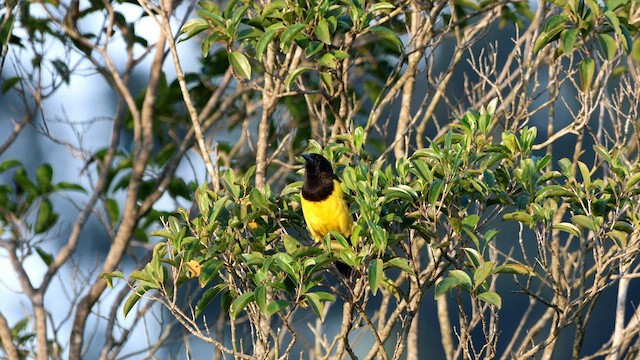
317	165
318	177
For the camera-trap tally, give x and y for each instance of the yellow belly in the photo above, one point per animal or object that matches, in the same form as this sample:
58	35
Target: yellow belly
331	214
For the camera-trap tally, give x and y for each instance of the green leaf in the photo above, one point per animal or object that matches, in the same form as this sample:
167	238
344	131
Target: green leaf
23	183
207	42
327	82
285	262
261	298
339	238
325	296
209	6
133	299
471	235
381	6
586	174
611	5
316	304
272	7
635	51
240	64
340	54
608	46
612	19
619	237
490	234
568	228
239	303
8	164
378	235
542	162
44	174
552	191
173	224
138	275
595	7
291	78
568	40
623	226
358	138
20	327
517	269
208	296
218	206
155	266
322	31
275	306
193	27
602	152
375	275
289	34
481	273
587	72
552	29
63	185
45	217
469	4
585	221
46	257
461	277
474	256
388	34
313	48
62	69
452	282
566	168
470	221
7	24
266	39
108	277
347	256
292	188
399	263
237	16
632	181
435	191
111	207
209	271
257	199
519	216
626	39
10	83
328	60
491	298
402	192
212	16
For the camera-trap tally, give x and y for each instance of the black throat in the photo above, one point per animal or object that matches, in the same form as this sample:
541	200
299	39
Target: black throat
317	188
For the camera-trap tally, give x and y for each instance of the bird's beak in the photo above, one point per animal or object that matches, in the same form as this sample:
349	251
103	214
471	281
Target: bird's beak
307	158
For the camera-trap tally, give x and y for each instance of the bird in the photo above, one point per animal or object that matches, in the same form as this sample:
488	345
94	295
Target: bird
323	205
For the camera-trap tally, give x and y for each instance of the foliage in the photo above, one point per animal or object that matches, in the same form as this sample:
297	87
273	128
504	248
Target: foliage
444	200
29	197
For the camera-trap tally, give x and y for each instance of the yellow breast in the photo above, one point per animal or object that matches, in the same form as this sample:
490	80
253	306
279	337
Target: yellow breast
330	214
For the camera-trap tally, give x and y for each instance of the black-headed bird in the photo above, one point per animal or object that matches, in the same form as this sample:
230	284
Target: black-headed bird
323	204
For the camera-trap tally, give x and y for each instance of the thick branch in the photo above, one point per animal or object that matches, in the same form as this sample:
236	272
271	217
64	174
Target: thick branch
7	343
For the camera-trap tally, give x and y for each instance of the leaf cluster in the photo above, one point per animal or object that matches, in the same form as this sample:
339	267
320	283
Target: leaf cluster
249	245
29	198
